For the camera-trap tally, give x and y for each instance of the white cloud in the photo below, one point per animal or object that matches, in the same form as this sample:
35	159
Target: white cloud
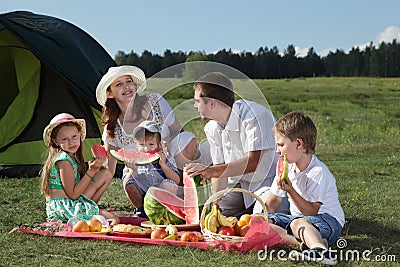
388	35
237	51
301	52
361	46
326	51
233	51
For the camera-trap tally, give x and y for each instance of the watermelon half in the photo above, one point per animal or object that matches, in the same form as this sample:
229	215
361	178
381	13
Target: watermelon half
141	158
162	207
283	168
195	195
100	152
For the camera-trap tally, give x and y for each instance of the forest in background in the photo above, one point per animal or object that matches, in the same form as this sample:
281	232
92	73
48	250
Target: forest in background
270	63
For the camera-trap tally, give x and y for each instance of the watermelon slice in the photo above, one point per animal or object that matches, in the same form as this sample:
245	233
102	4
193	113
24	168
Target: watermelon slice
162	207
141	158
195	195
100	152
283	168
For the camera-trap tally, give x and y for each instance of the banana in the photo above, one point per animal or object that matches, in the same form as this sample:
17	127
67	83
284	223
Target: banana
206	219
207	223
233	220
212	222
224	221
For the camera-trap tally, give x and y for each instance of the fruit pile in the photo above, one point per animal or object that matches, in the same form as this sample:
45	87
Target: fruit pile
170	232
216	222
93	225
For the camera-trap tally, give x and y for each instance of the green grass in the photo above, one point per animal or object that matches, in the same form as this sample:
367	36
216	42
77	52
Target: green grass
359	126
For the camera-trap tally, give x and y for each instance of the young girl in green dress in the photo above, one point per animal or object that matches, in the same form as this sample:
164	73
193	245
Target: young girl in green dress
70	189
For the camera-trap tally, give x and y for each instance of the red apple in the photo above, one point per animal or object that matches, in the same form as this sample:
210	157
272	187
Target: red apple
226	230
159	233
189	237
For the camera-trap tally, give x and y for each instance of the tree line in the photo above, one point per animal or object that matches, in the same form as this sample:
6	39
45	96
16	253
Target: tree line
265	63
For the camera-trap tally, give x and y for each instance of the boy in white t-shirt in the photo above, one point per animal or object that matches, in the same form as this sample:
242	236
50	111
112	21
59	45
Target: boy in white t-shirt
316	213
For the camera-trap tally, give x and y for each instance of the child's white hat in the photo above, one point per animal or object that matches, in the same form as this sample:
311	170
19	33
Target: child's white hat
150	126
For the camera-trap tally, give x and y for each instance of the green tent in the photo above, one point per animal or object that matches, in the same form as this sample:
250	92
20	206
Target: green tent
47	66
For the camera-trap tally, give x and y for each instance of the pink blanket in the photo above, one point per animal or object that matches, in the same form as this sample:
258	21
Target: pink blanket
259	235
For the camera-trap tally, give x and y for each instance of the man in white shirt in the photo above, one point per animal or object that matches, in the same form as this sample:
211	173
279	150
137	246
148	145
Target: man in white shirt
241	142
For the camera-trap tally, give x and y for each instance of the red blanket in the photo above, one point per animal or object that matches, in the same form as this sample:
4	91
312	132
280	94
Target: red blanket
259	235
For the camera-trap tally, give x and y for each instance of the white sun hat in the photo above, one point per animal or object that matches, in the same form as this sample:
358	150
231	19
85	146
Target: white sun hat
113	73
59	119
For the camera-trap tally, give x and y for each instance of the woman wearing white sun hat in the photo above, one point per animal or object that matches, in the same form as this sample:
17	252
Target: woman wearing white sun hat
124	108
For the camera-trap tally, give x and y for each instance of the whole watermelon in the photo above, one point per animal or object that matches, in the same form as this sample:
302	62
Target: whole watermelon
162	207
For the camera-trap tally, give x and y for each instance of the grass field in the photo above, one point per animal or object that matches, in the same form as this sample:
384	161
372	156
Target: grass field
359	139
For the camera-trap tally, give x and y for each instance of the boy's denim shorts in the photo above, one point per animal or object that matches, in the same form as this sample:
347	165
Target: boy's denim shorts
326	224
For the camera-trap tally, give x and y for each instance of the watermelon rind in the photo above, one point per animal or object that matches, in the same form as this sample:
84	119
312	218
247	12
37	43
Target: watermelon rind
283	167
143	163
119	155
115	154
158	211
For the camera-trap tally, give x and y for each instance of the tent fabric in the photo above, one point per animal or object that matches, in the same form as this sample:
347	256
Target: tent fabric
70	51
20	79
47	66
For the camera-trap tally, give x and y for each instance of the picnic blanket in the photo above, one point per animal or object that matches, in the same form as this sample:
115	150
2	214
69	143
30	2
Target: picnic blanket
259	235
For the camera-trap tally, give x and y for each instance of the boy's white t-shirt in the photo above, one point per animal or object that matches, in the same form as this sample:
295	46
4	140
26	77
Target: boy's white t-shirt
315	184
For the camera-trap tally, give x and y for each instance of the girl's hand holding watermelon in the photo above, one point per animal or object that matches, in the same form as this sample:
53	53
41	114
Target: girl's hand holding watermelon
95	164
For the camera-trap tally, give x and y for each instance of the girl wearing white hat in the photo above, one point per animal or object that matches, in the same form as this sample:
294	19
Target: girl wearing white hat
70	189
124	108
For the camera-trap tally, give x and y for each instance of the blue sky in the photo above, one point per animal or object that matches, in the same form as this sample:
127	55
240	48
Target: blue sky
212	25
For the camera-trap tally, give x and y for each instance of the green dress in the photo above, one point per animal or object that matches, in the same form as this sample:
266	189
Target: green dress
65	208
